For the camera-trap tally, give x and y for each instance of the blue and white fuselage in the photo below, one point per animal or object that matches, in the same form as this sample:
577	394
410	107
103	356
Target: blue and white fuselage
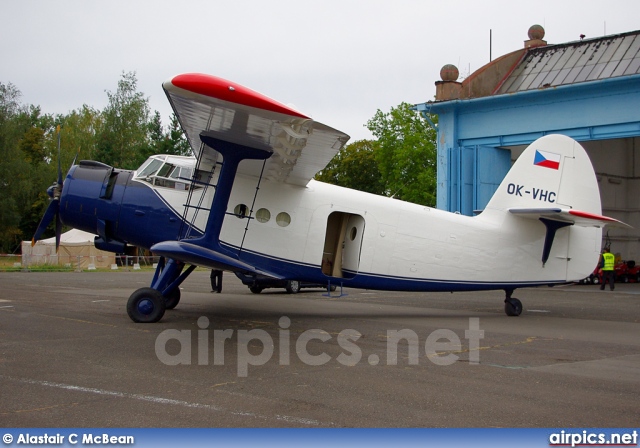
247	203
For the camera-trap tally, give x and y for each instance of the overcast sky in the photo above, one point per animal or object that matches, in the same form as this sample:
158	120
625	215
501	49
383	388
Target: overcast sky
337	61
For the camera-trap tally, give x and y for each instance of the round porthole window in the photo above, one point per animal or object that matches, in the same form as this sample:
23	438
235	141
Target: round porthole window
263	215
283	219
240	211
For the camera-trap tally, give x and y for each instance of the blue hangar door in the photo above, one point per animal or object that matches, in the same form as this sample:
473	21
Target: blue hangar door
475	172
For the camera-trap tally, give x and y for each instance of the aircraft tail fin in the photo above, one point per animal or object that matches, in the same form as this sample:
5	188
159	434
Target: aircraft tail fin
553	172
549	202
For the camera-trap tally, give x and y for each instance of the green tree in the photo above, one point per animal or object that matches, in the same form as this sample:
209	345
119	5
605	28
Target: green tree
24	157
79	135
406	155
39	146
355	167
179	143
172	141
122	140
11	166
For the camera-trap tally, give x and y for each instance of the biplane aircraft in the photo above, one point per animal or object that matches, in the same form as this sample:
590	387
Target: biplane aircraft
249	204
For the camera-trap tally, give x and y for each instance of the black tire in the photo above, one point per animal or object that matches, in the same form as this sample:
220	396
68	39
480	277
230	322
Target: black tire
622	279
293	287
596	280
513	307
146	305
333	288
255	289
172	300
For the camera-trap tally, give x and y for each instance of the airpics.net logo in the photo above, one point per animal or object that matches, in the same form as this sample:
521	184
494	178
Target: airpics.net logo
256	347
591	438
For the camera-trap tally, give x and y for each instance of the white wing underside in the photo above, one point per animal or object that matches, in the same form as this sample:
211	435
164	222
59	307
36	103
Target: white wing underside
301	146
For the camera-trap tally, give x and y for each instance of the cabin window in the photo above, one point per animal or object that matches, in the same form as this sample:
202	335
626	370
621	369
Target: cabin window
240	211
263	215
283	219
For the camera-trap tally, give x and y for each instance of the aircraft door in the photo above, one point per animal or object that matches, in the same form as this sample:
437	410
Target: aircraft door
342	245
352	244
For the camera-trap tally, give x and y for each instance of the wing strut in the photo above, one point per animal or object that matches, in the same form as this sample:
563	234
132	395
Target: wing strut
192	186
246	228
232	155
206	249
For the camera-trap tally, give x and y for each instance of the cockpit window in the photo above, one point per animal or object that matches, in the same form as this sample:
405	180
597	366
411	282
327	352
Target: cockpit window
150	168
170	174
165	170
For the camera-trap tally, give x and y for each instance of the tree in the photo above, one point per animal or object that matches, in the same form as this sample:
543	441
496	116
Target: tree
123	136
355	167
406	155
179	143
11	165
23	150
79	135
172	141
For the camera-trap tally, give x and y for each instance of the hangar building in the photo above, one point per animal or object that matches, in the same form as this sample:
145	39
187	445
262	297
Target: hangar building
588	89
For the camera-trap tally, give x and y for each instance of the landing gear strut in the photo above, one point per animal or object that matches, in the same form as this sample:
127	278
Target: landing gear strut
147	305
512	306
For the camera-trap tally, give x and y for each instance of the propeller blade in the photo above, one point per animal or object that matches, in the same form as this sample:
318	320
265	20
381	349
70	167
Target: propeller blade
58	228
75	158
52	211
59	169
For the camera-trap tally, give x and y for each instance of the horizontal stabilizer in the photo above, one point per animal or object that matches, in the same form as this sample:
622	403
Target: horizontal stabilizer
575	217
201	256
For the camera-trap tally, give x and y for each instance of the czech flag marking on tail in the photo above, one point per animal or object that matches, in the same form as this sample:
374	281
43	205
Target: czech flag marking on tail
547	159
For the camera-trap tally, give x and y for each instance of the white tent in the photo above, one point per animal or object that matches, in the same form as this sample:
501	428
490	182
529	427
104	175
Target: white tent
76	249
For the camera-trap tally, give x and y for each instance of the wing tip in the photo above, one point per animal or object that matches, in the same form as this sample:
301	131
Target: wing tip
225	90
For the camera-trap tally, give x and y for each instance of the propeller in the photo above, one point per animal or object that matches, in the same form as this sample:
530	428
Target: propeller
53	209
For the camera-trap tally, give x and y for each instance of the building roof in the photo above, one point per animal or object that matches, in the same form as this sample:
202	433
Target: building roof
575	62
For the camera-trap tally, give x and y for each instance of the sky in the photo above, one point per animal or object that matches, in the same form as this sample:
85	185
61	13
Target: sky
338	61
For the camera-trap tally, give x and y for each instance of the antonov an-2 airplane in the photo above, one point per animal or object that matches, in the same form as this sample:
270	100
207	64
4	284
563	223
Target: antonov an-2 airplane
250	205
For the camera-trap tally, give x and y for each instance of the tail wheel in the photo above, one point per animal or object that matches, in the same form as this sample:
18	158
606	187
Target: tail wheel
255	289
146	305
172	299
293	286
513	307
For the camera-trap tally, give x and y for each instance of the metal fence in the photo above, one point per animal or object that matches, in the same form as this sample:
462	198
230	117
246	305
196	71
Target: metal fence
75	262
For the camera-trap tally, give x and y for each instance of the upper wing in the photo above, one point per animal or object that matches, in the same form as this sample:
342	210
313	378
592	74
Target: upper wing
576	217
301	146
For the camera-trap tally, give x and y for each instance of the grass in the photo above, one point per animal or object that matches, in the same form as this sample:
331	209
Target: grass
13	263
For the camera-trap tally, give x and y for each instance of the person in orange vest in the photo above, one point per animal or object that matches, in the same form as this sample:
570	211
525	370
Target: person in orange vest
607	264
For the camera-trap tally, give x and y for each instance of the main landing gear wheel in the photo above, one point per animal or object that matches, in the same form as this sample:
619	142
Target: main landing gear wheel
512	306
172	300
293	287
146	305
255	289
